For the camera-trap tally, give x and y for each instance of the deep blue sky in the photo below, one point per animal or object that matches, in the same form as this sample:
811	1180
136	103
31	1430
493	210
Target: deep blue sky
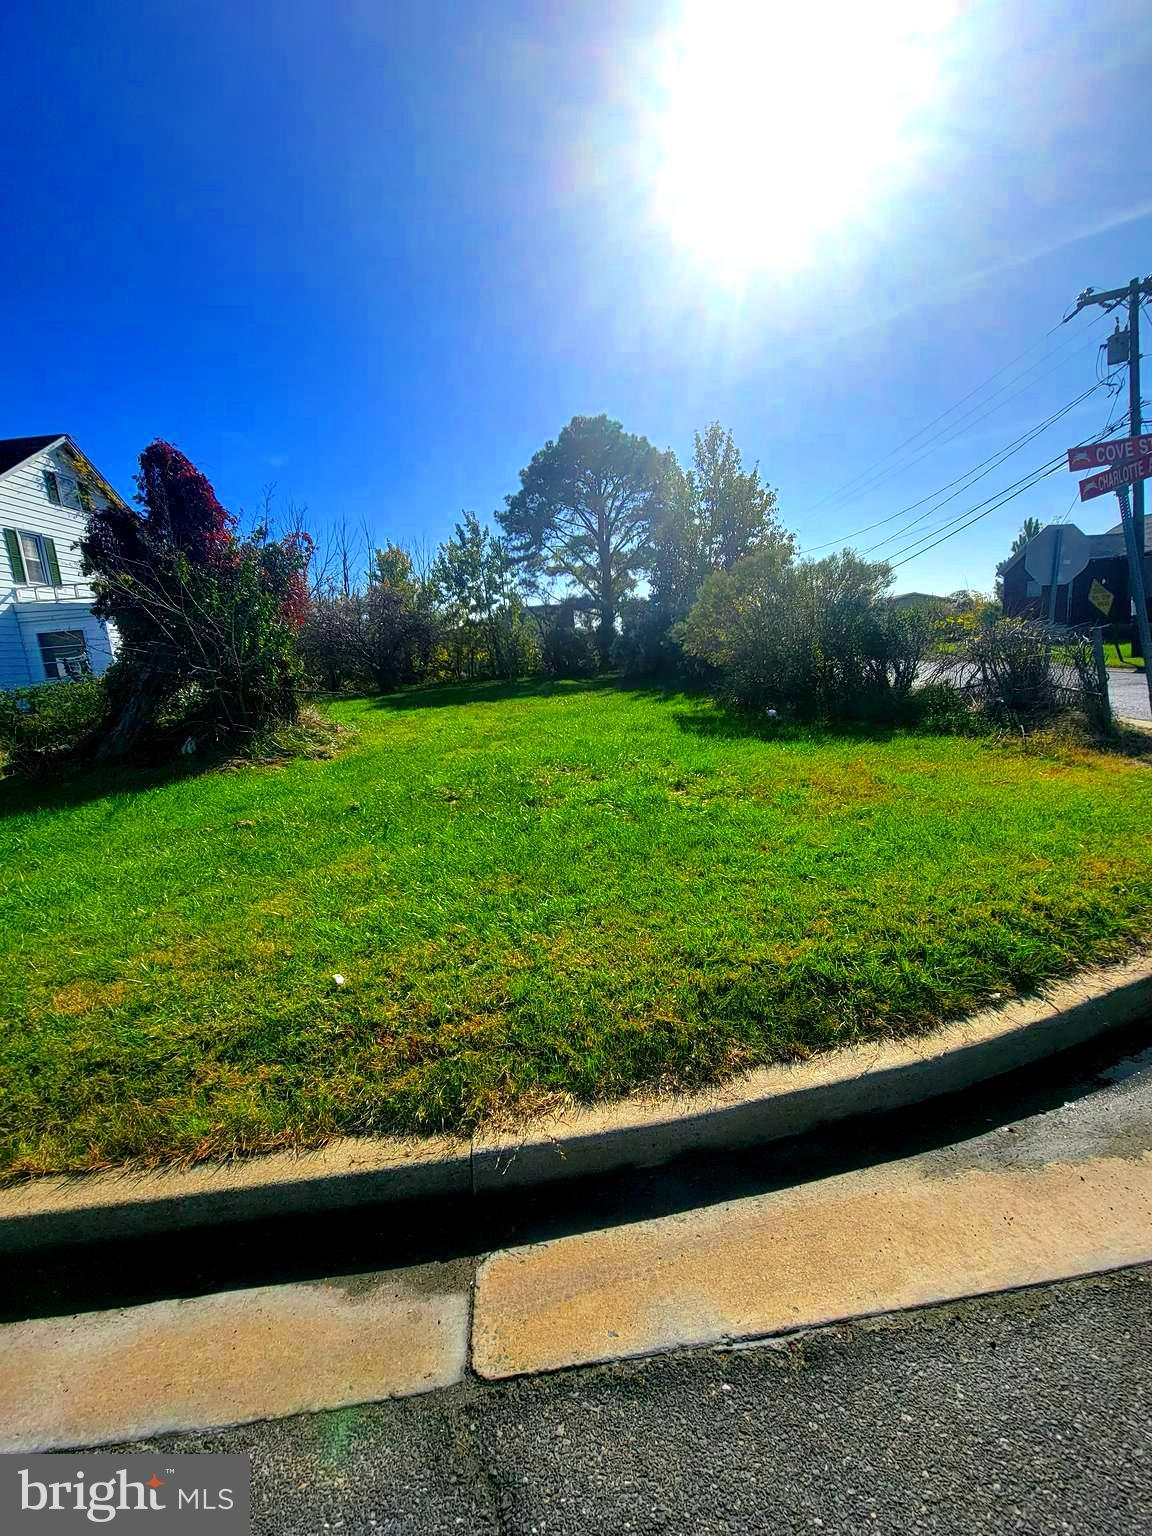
378	253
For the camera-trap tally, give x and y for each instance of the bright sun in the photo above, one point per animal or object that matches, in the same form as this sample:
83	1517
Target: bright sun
776	122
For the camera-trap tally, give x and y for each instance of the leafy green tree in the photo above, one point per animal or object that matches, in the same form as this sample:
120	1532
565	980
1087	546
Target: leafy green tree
475	575
584	512
714	515
1029	528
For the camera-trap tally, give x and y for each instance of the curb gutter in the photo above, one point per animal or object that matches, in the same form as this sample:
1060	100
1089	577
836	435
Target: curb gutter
766	1105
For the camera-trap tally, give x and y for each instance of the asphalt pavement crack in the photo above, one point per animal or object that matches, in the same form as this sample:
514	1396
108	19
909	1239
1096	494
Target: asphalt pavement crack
483	1477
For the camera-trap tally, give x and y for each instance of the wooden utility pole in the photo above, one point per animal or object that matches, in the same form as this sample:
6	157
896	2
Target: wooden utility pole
1131	295
1136	574
1135	420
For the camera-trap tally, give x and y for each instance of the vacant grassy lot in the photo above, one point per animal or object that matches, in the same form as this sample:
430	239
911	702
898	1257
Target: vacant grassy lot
529	890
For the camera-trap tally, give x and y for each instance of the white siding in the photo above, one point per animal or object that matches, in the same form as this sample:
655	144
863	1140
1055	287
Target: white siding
13	665
26	610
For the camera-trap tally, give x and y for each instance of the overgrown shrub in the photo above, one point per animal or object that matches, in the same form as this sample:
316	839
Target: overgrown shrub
1006	669
1078	669
815	639
48	720
381	638
1020	672
203	614
323	646
939	707
570	653
647	645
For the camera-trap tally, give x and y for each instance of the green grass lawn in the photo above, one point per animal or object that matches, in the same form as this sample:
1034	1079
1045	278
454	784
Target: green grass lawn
530	891
1121	656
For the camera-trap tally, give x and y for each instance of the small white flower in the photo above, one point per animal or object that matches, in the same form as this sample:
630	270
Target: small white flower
771	713
338	979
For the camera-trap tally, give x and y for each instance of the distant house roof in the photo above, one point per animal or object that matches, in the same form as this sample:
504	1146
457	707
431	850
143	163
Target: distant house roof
914	599
1118	533
14	450
582	604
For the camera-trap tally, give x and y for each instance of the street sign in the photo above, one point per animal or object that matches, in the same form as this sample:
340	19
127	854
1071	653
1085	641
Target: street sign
1060	547
1112	479
1100	597
1119	450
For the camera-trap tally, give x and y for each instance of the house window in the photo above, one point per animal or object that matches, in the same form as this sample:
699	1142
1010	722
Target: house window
32	558
35	559
64	653
65	491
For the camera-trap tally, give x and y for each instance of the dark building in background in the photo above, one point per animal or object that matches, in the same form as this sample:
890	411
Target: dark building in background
1027	592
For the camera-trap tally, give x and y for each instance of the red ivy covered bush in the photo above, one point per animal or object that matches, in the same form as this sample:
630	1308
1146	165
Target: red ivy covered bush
207	619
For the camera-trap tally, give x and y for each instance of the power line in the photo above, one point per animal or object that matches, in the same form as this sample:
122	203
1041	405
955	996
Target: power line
956	429
963	399
1001	498
1105	431
1002	458
1015	487
969	477
837	495
1049	470
1064	516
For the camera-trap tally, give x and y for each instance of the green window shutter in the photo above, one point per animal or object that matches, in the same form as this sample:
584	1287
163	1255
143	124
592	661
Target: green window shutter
53	563
15	558
52	486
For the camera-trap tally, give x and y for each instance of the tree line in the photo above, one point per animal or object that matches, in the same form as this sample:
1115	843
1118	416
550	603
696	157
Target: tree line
610	554
558	584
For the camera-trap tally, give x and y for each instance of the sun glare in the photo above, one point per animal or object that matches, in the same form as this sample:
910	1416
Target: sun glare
776	123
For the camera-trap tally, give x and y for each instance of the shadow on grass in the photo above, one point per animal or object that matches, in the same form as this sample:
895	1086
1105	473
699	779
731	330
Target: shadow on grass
730	725
443	695
21	796
696	710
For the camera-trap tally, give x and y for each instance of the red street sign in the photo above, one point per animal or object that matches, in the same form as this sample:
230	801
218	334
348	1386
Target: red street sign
1112	479
1120	450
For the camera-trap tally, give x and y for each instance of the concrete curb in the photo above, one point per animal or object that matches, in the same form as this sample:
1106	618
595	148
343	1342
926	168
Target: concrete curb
775	1102
97	1207
763	1106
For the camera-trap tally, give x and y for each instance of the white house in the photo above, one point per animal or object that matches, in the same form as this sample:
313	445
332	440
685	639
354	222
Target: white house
47	627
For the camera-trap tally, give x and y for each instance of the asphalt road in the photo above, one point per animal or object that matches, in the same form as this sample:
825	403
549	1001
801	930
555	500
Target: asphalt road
1026	1412
1129	694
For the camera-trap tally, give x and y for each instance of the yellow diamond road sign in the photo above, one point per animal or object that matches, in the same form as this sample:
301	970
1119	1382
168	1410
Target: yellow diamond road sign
1100	596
